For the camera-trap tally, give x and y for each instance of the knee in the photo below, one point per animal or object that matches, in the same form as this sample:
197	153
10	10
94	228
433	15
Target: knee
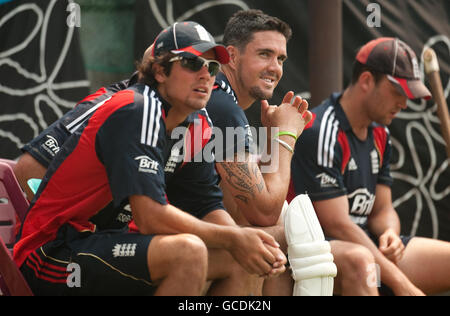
190	254
356	262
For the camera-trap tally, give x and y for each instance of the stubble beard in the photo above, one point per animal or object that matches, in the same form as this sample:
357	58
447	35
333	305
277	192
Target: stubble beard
255	92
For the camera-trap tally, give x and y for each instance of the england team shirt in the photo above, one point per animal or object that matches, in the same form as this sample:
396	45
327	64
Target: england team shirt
232	133
330	161
120	151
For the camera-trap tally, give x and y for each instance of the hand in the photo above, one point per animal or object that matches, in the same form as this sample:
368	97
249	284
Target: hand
391	246
256	251
290	116
278	267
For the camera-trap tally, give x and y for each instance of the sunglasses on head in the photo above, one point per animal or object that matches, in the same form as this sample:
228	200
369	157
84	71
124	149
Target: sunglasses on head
196	63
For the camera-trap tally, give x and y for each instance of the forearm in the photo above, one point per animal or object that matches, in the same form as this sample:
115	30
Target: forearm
277	180
383	220
169	220
272	178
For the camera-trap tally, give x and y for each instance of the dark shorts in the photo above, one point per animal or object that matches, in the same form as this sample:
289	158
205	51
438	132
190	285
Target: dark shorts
106	263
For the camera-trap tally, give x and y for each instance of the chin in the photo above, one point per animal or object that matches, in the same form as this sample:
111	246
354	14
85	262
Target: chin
197	105
260	94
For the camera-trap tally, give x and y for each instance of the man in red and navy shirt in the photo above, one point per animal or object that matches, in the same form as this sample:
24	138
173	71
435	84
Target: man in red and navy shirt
342	163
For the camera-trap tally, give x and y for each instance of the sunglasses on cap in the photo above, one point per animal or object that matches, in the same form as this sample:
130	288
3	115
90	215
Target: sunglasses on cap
196	63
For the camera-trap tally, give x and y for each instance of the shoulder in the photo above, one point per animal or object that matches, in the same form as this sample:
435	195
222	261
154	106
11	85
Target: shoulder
223	105
137	106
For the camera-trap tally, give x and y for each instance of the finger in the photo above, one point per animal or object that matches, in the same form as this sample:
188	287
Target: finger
256	265
264	105
279	256
277	272
268	239
383	242
399	253
288	97
307	116
303	106
263	266
389	251
297	103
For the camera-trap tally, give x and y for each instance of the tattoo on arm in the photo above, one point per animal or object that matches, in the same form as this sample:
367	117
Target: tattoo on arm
242	178
259	177
238	176
242	198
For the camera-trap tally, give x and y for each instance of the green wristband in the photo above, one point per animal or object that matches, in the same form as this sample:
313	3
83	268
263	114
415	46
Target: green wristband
287	134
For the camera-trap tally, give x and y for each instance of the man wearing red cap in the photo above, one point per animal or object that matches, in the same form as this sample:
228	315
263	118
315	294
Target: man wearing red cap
118	153
342	163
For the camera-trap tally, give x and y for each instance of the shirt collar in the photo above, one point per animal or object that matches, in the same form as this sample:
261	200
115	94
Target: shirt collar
224	84
339	112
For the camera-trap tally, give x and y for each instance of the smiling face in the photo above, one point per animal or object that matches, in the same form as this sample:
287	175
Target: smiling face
187	90
259	65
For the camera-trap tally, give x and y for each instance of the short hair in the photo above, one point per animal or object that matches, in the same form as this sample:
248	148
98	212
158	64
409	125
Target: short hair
146	72
359	68
243	24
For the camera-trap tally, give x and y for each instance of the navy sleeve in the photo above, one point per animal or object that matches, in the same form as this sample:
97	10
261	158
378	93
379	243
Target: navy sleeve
231	132
133	160
47	144
195	189
320	181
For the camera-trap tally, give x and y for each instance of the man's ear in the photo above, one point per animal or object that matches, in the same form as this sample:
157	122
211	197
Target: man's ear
366	81
160	75
233	51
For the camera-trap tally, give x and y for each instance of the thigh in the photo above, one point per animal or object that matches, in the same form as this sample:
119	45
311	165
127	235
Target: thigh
426	263
107	263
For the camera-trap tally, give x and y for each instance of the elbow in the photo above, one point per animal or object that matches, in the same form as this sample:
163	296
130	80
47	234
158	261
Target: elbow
265	215
264	220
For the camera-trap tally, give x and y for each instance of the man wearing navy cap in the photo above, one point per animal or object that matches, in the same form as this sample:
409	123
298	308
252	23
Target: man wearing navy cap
342	163
118	153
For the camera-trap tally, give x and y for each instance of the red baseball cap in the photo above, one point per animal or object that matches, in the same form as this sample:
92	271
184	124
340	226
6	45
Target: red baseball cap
398	61
187	39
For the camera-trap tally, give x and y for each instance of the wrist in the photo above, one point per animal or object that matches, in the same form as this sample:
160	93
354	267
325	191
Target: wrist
284	144
286	133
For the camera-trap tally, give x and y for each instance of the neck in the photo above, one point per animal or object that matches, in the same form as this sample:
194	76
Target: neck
352	104
176	115
245	100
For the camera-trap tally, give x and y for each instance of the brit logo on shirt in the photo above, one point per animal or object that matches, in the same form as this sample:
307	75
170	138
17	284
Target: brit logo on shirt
326	181
51	145
147	165
361	201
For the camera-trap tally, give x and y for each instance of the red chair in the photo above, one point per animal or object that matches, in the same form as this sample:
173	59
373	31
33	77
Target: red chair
12	281
12	202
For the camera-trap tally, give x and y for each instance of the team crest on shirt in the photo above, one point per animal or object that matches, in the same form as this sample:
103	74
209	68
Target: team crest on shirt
174	159
375	162
124	250
147	165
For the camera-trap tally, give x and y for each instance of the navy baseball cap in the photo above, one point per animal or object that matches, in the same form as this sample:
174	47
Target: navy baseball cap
398	61
188	39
